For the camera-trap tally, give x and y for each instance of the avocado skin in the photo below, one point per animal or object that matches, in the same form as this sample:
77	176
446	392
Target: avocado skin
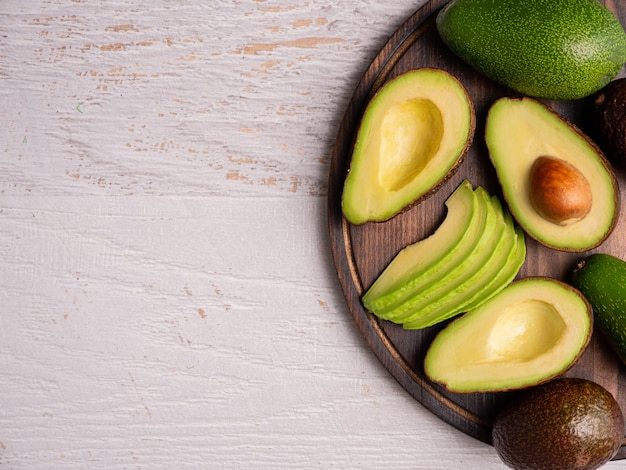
364	198
512	153
552	49
547	427
610	118
602	279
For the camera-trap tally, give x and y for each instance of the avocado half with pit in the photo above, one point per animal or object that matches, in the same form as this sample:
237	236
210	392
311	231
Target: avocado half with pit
412	136
530	332
557	182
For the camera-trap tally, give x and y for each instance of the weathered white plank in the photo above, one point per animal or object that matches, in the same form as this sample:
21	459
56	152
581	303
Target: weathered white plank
135	331
225	97
167	297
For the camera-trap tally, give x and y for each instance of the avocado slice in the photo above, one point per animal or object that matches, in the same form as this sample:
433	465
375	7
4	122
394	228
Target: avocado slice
569	423
530	332
553	49
427	260
602	279
487	258
497	272
446	305
549	168
505	274
412	137
431	295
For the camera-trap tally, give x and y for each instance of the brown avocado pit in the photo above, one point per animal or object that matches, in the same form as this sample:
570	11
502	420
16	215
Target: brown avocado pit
558	191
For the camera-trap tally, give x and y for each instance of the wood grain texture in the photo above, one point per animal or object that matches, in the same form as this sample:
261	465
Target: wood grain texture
167	294
362	252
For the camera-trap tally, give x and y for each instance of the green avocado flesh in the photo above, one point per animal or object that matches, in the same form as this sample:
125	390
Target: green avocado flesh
426	261
441	276
498	271
553	49
602	279
461	271
531	331
566	424
519	132
412	136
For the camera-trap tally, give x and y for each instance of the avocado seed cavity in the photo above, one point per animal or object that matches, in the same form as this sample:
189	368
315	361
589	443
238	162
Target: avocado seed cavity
559	192
410	135
525	330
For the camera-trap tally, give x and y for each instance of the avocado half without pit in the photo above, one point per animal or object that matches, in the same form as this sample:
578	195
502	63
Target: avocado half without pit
557	182
530	332
412	137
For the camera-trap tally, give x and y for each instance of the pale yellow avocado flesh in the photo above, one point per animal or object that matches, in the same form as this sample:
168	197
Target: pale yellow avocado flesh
412	136
427	260
518	131
532	331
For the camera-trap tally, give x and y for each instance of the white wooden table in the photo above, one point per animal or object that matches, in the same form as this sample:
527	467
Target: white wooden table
167	294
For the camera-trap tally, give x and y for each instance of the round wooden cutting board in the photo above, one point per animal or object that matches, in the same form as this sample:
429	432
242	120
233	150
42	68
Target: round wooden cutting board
362	252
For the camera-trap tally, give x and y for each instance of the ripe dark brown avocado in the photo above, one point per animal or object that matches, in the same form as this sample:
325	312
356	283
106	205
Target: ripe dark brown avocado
565	424
610	117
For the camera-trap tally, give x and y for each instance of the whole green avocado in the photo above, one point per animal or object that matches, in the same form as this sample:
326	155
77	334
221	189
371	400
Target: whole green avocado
602	280
551	49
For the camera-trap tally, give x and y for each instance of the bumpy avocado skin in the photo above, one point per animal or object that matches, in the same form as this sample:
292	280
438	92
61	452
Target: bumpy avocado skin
553	49
610	119
602	280
548	427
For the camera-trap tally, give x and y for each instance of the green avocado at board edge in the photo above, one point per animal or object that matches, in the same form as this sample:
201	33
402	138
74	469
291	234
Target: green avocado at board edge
550	49
602	280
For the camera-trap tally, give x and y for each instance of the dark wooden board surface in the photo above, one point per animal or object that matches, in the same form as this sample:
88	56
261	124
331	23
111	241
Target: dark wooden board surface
362	252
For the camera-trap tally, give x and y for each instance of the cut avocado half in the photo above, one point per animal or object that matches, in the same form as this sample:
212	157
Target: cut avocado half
530	332
558	185
428	260
412	137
